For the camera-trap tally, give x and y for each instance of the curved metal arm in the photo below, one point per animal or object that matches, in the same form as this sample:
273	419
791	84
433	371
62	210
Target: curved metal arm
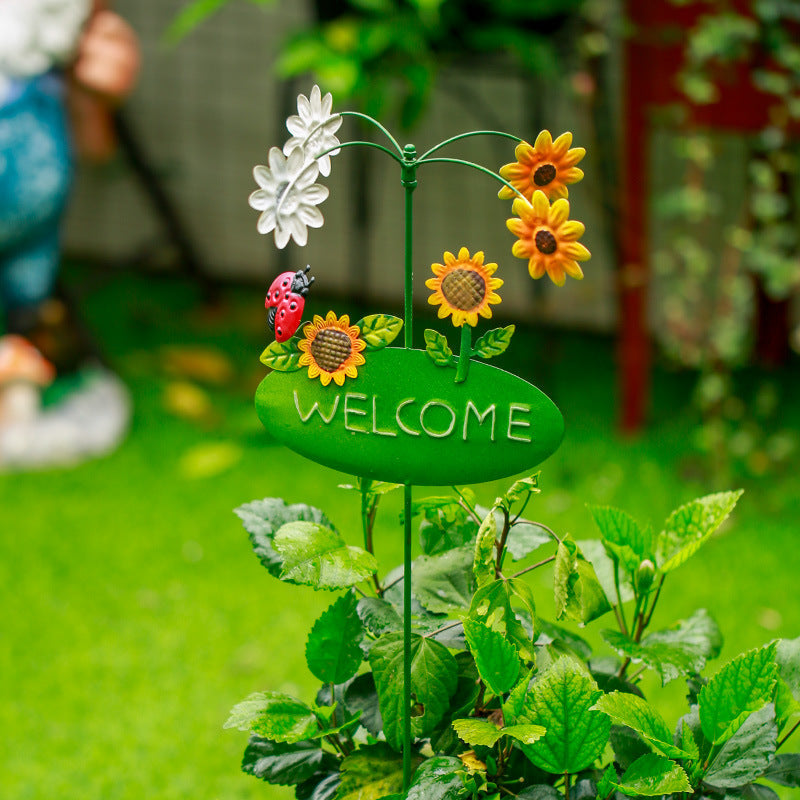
474	166
373	121
365	144
467	135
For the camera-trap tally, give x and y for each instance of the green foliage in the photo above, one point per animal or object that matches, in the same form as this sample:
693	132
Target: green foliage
504	702
434	676
317	556
333	651
562	701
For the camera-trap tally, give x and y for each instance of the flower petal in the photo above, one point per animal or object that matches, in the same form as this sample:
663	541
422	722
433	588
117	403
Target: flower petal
576	251
571	230
559	212
572	269
266	222
541	205
561	145
544	141
556	273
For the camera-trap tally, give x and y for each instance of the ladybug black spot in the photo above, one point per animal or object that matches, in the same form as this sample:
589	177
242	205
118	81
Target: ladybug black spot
292	306
283	313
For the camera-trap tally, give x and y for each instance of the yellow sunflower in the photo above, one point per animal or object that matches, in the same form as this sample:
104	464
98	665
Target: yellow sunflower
332	349
548	238
464	287
548	166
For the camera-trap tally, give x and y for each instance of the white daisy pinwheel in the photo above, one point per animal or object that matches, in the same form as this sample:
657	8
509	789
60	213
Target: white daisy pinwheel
287	196
313	128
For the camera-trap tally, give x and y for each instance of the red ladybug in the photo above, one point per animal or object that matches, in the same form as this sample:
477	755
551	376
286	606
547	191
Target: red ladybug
285	302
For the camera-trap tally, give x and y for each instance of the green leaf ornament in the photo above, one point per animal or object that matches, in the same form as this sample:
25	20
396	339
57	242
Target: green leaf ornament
379	330
438	350
282	356
494	342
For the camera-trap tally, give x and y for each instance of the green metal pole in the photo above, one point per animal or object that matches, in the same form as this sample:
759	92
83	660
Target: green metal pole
409	181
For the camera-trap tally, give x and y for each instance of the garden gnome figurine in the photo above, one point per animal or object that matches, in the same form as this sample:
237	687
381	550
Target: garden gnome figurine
63	64
49	50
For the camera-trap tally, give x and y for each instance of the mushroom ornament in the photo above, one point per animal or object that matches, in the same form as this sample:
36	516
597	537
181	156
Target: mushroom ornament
24	373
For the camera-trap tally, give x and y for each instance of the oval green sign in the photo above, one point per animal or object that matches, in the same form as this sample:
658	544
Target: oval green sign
405	420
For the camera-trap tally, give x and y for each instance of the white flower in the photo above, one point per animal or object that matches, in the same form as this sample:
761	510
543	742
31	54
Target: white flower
288	197
313	128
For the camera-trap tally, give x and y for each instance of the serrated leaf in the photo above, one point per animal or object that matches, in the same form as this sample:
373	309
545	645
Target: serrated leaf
262	519
437	349
371	772
653	775
274	716
542	792
379	330
578	592
361	697
495	657
378	616
483	564
787	657
284	764
282	356
562	701
689	527
333	651
784	770
635	712
434	677
673	652
527	734
446	524
785	704
522	488
444	583
492	605
314	555
515	701
595	552
477	732
525	537
623	537
439	778
494	342
739	688
322	786
627	745
746	755
563	639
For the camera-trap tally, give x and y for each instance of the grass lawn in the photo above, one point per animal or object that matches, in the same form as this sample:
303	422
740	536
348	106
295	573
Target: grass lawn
135	614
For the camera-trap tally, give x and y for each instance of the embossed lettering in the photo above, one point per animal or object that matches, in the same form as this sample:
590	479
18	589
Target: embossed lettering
357	412
481	417
403	427
437	434
518	423
315	408
375	419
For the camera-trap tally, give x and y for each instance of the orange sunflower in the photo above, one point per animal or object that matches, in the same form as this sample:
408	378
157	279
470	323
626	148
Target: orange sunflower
548	238
548	166
332	349
464	287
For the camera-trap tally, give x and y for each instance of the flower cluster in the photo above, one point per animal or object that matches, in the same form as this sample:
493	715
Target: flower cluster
547	238
288	194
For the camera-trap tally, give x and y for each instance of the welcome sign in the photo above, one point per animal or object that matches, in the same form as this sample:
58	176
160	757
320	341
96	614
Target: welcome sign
405	420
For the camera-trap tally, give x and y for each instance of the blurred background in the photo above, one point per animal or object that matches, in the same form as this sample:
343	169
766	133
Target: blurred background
134	613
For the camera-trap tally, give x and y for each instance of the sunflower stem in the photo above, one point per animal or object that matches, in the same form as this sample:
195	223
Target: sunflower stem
478	167
466	136
464	353
373	121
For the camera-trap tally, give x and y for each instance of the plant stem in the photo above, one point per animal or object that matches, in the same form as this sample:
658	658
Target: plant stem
501	545
467	505
444	628
464	353
367	524
522	510
465	136
655	600
533	567
783	740
620	620
619	610
566	786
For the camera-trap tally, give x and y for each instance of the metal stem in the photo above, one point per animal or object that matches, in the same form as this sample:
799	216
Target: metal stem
465	136
407	640
480	168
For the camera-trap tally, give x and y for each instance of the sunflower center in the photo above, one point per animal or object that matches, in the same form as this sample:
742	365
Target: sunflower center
545	242
463	288
331	348
544	174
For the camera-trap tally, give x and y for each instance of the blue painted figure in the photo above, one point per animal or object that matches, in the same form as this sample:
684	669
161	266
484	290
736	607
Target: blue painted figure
50	49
